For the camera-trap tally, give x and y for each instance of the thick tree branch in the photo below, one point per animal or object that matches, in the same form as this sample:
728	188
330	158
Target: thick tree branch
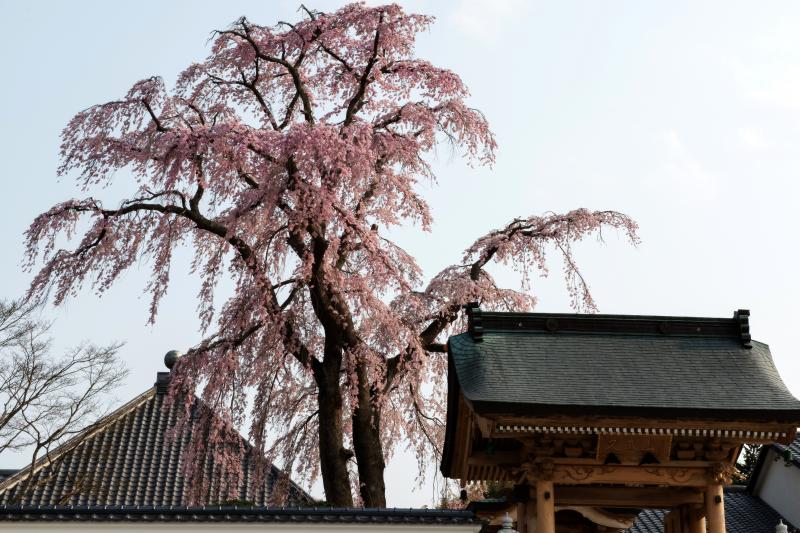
160	127
291	68
358	98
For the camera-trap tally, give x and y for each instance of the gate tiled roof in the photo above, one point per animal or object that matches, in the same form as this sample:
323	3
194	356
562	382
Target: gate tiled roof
620	365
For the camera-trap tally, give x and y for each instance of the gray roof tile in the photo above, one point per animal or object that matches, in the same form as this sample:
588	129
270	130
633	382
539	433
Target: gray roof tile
790	453
333	516
125	459
744	513
620	373
794	448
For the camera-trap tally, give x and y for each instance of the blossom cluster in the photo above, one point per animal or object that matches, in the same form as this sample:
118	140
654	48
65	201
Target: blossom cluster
282	160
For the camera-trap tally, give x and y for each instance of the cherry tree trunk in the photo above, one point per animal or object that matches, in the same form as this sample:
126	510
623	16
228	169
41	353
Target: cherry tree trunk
332	454
303	190
368	446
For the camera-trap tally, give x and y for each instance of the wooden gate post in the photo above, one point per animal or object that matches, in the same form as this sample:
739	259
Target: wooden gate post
545	507
522	517
669	521
697	520
715	509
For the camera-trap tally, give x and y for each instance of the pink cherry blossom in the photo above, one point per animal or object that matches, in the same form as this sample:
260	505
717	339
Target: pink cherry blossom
282	161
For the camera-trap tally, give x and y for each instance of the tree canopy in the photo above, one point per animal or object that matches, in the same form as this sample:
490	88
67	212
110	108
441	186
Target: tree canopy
283	160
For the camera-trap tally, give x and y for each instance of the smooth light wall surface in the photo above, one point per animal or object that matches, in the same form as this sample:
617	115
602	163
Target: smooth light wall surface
780	487
117	527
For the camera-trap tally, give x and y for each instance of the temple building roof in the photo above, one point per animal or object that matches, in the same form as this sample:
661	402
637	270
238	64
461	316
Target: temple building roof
126	459
541	364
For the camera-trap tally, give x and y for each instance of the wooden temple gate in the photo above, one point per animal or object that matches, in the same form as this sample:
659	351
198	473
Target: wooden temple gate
592	418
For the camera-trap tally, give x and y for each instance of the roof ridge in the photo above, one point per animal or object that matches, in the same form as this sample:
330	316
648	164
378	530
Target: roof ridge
737	327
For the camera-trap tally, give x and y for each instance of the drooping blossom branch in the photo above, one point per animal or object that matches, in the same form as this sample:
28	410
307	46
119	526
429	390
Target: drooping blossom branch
283	160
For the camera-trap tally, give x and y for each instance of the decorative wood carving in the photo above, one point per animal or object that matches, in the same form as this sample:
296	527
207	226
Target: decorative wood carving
548	445
627	497
539	471
678	476
546	470
630	449
583	473
721	473
626	474
710	449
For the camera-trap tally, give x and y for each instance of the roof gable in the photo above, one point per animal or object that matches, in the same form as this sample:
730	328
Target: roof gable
126	459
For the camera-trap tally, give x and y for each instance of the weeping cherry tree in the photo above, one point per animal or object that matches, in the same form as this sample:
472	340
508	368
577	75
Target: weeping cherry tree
282	161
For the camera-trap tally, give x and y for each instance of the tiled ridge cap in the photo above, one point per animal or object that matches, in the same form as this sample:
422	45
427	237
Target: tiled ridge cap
233	513
737	327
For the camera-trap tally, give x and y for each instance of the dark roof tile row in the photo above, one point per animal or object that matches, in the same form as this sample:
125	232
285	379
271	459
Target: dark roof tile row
30	513
744	513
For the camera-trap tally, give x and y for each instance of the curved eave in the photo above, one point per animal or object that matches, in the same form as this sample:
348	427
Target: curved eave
509	374
787	416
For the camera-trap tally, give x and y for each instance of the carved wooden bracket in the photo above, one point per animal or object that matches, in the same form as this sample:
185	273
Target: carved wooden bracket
539	471
721	473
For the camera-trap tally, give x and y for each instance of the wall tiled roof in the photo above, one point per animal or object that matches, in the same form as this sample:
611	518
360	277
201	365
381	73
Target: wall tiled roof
790	453
744	513
217	514
793	448
126	459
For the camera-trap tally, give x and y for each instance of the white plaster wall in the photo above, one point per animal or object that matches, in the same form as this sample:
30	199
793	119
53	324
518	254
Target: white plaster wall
121	527
779	486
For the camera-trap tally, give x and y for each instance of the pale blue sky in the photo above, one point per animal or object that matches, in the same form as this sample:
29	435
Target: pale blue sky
683	114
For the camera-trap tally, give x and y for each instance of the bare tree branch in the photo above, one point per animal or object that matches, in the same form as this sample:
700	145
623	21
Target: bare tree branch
44	400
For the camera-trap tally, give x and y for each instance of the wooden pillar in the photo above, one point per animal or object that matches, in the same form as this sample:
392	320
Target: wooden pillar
671	521
545	507
697	520
685	519
522	516
715	509
530	518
